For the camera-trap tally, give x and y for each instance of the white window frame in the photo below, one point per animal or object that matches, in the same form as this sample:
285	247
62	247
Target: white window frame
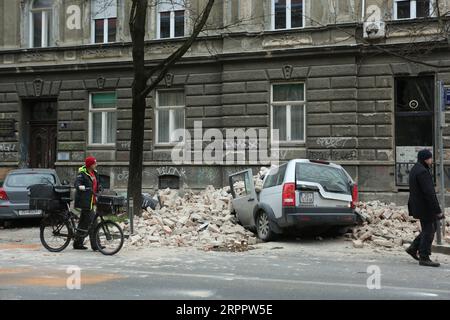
171	119
288	105
413	10
172	22
104	112
105	30
45	41
288	16
105	23
231	7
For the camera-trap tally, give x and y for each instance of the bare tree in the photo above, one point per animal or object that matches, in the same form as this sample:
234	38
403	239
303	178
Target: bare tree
145	81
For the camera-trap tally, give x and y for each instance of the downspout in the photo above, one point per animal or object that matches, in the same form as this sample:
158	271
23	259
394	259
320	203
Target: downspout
363	11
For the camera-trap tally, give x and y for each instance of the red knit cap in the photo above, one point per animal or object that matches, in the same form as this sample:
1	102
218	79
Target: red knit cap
90	161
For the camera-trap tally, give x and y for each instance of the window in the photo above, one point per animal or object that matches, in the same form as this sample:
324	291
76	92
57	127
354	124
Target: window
168	181
330	178
169	116
104	21
233	9
102	118
287	14
26	180
288	112
171	19
41	23
411	9
275	177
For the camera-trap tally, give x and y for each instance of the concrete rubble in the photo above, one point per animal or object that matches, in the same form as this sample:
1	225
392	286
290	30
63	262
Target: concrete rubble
203	220
386	226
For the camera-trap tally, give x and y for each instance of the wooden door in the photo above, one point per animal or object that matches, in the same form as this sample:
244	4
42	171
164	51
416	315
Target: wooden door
43	146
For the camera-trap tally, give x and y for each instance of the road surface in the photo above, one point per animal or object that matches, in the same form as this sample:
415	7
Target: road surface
287	269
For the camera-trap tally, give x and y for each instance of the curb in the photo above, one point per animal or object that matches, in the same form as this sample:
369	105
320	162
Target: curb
444	249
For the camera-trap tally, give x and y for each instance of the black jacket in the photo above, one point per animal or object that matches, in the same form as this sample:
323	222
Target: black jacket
423	203
85	199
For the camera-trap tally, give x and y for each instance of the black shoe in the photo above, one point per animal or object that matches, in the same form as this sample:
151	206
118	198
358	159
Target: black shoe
428	263
413	253
80	247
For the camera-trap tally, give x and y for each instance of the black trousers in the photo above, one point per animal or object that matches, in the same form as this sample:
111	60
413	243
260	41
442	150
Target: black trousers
86	218
424	240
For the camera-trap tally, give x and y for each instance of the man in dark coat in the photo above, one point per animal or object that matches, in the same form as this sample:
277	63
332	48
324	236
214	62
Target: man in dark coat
423	205
87	185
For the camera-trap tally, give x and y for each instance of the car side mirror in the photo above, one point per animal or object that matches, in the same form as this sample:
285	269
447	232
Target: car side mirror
65	183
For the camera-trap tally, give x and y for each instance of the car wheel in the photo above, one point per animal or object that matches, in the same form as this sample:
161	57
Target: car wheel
263	229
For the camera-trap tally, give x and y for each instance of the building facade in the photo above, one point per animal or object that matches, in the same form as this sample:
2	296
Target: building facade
350	81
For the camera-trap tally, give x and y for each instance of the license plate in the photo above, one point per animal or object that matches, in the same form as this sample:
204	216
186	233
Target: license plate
307	197
30	212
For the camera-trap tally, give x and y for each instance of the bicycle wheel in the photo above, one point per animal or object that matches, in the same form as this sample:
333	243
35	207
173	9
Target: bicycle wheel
109	237
55	233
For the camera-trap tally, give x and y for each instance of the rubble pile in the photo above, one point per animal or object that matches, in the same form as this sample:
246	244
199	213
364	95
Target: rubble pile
203	220
386	226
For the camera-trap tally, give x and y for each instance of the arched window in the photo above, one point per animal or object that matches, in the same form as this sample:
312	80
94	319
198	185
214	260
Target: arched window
40	23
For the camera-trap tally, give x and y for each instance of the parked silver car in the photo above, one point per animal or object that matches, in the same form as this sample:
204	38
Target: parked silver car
14	201
301	193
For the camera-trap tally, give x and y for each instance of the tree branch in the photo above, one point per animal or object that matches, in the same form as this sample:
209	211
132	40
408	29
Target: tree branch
166	64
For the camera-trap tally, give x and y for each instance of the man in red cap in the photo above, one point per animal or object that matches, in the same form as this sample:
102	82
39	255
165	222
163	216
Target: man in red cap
86	187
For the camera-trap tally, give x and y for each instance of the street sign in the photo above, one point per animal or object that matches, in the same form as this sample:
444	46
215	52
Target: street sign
442	95
440	123
447	96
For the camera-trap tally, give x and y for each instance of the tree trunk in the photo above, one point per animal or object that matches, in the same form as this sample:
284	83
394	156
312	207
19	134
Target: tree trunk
141	88
137	27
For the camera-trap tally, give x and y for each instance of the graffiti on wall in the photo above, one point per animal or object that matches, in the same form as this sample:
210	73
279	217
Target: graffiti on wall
172	171
7	147
332	142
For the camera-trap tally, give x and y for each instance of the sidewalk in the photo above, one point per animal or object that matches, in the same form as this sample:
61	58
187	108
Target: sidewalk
444	248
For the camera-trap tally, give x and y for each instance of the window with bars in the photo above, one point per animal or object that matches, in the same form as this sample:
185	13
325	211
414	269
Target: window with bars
287	14
104	21
102	118
288	112
169	116
171	19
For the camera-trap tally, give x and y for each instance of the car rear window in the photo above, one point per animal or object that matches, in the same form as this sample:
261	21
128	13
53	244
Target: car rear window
28	179
332	179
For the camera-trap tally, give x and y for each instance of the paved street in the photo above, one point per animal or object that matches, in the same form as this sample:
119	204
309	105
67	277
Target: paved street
287	269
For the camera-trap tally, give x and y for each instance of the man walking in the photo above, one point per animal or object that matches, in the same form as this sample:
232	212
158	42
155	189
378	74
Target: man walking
423	205
86	187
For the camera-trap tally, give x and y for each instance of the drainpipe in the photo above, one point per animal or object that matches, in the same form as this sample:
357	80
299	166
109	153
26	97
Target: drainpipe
363	10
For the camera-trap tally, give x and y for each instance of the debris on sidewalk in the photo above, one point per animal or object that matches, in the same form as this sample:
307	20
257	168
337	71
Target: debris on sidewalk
358	244
386	226
203	220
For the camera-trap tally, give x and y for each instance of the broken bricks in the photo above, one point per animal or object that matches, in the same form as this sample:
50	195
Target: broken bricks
202	220
385	225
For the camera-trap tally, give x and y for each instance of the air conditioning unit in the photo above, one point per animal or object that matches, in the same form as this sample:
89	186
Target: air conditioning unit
374	29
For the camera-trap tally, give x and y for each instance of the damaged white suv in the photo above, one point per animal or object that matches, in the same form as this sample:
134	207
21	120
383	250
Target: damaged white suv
301	193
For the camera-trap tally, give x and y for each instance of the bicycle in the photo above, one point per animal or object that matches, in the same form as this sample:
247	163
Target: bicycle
59	227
